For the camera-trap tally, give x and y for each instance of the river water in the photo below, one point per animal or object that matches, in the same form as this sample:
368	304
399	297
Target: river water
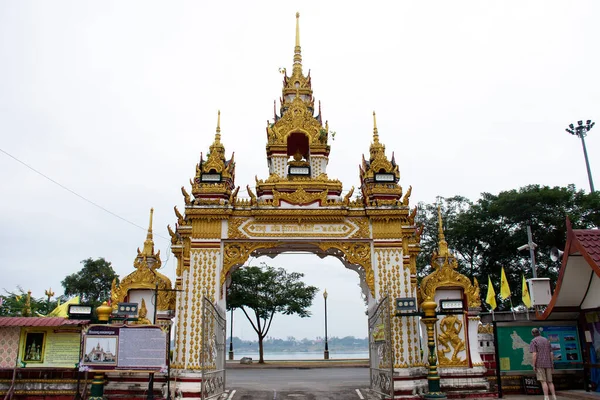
302	355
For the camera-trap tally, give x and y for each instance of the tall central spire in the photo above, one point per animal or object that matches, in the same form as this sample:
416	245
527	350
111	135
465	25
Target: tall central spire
297	49
296	85
149	242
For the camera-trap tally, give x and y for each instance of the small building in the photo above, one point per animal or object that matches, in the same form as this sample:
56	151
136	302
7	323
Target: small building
39	357
577	298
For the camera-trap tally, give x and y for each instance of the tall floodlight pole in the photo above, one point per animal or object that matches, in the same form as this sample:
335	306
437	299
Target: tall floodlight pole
231	338
326	352
581	131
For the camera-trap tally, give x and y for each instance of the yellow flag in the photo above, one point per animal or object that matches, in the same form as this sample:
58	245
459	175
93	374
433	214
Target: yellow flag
525	293
504	289
491	295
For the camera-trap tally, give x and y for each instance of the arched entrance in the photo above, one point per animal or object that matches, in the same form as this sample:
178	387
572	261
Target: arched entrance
297	208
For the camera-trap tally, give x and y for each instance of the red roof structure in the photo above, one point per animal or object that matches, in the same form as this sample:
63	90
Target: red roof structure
40	321
578	285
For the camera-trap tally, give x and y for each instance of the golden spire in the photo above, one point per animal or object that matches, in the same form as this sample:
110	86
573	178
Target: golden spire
377	149
149	243
442	244
218	133
217	149
375	133
297	49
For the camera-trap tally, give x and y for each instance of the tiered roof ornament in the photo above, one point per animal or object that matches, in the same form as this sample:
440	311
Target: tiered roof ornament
446	275
297	85
214	181
145	276
379	176
297	141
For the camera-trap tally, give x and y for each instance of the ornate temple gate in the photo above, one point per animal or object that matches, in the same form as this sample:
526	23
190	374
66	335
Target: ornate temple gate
212	353
381	356
296	208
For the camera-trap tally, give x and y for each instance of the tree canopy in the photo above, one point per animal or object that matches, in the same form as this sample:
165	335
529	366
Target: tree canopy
92	283
14	304
261	292
485	235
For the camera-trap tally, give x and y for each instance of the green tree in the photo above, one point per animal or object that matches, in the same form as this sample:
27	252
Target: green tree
485	235
264	291
92	283
14	304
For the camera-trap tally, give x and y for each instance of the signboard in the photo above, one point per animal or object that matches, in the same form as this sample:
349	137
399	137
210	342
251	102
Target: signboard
44	347
124	347
565	345
513	346
531	385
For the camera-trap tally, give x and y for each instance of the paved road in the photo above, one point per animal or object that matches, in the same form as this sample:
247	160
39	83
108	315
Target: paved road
323	384
298	384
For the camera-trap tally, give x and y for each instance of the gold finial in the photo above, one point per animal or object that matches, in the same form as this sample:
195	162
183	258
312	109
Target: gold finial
297	50
375	133
149	243
27	308
218	133
442	244
103	312
218	121
298	29
49	293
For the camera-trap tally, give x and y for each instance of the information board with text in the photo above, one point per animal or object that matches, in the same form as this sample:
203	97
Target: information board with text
124	347
513	346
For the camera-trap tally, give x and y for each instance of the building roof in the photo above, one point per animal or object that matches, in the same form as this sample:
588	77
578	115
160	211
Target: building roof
578	285
40	321
589	240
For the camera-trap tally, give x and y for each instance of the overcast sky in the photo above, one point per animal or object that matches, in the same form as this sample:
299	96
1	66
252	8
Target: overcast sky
115	100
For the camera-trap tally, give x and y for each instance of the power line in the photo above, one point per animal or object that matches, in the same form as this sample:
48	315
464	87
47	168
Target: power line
77	194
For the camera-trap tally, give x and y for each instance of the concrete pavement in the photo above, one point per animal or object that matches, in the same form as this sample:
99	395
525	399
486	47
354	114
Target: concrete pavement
364	363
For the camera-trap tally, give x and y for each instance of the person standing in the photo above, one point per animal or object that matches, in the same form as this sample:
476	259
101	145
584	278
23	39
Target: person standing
543	363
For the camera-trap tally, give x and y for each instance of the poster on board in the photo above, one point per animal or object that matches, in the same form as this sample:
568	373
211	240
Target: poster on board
125	347
513	346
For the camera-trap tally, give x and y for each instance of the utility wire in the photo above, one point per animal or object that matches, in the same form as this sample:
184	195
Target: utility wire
77	194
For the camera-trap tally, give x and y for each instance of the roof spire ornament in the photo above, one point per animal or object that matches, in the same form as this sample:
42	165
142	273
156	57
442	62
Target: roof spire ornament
442	244
377	148
149	243
217	149
218	131
375	133
297	49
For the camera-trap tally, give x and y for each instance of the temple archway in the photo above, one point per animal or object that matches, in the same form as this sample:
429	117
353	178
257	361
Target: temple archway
298	207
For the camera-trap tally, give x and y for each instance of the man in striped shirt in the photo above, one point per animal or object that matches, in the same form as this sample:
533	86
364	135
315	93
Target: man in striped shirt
543	363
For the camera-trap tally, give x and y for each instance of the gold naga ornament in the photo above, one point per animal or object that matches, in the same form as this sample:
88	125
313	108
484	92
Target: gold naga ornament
145	276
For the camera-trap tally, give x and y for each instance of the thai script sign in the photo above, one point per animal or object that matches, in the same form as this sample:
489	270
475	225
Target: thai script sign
124	347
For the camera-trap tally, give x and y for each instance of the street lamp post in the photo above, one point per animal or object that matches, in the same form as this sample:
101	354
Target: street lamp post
231	338
581	131
433	378
326	352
